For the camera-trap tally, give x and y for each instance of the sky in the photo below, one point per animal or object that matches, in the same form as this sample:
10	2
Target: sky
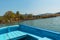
30	6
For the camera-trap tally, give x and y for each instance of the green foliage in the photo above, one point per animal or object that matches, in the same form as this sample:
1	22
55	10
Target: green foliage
22	17
9	15
17	14
30	15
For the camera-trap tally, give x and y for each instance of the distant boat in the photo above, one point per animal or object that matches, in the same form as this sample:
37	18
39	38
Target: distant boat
24	32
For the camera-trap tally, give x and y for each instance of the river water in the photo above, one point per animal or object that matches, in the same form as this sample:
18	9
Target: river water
48	23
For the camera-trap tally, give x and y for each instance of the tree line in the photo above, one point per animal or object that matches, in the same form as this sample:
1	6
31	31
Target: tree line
10	17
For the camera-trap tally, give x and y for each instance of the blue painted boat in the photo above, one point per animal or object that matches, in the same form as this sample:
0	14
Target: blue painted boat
24	32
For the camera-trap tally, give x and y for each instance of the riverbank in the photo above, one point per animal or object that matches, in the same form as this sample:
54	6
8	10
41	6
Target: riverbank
10	17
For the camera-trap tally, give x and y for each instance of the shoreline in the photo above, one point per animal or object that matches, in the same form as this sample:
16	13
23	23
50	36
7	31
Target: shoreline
11	18
24	20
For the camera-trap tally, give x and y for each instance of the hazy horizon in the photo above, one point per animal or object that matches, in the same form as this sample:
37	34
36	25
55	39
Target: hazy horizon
30	6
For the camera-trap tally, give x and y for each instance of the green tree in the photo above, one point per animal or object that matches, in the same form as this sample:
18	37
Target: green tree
22	17
9	14
30	15
17	14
